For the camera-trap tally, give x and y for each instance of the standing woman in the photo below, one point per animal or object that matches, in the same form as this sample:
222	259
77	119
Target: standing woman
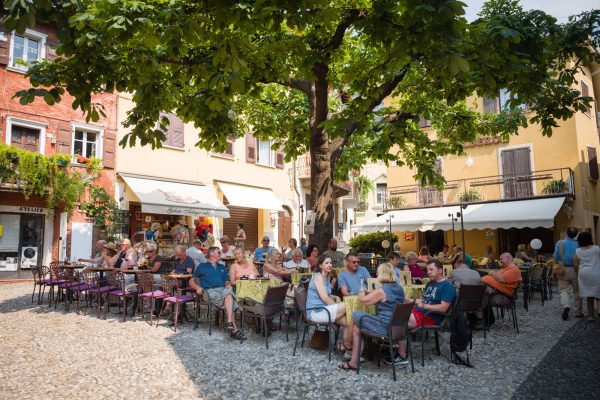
587	258
312	255
319	295
240	237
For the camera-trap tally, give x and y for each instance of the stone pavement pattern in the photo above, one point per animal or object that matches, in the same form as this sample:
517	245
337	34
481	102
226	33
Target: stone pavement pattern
52	354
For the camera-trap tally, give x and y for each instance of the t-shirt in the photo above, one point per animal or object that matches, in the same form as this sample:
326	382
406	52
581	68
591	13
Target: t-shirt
352	281
228	253
337	258
183	266
260	253
435	293
464	276
291	264
211	276
512	276
196	255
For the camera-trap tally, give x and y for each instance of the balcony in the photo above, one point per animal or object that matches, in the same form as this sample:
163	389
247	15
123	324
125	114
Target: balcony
536	184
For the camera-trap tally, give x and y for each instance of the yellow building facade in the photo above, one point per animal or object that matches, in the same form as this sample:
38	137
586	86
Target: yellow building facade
527	166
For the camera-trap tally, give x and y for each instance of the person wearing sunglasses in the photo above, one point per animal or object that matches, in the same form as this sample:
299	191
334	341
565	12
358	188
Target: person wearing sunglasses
261	252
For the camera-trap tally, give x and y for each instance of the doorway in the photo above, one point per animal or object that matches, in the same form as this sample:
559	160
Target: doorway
285	226
434	240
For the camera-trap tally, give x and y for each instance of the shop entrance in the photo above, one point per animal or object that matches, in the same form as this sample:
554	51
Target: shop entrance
21	240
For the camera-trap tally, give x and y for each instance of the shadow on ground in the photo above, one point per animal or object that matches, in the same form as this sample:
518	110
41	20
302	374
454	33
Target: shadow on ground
570	370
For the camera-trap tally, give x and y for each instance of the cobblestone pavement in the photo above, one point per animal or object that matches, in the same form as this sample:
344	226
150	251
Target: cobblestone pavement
53	354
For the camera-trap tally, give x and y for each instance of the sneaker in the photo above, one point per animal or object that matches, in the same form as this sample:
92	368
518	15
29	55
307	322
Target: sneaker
565	313
397	360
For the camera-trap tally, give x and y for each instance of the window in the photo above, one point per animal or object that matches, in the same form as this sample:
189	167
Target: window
85	143
585	92
593	163
174	131
26	48
264	153
501	103
381	193
228	153
27	135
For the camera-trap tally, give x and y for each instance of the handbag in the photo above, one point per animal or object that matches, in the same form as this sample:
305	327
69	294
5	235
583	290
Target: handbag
559	269
320	340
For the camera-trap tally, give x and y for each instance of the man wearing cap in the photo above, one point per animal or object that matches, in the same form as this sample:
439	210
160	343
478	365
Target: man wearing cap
261	252
226	248
195	252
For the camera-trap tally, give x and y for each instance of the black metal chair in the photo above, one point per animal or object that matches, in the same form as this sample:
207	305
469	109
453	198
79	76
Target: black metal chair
437	329
470	300
272	306
301	294
503	302
537	281
397	331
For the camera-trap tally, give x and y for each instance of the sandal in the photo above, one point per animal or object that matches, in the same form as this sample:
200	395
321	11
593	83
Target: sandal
346	367
341	348
229	326
237	335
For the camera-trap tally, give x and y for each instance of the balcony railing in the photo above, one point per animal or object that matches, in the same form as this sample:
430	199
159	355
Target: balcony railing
535	184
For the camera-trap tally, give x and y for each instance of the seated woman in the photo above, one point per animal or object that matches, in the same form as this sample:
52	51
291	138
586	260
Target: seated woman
319	295
241	267
312	255
424	254
522	253
153	260
273	269
384	298
413	265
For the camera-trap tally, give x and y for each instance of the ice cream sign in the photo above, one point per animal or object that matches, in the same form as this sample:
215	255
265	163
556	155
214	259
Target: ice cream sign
175	198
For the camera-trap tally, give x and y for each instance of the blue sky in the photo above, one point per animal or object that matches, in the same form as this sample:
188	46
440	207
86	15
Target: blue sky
561	9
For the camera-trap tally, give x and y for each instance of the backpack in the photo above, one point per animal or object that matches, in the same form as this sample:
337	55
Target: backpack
460	334
150	234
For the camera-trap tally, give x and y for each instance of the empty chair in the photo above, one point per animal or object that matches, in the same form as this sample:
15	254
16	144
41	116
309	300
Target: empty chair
170	285
149	291
117	281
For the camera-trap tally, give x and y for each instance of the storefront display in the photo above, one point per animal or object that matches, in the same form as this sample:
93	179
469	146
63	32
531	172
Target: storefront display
21	237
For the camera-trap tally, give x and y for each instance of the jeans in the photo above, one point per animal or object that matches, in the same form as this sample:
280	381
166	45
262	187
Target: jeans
569	290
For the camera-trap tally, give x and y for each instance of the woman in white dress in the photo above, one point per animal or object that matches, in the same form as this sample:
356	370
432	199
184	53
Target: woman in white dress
587	258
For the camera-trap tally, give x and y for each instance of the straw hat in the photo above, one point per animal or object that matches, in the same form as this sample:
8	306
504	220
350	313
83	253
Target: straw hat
111	247
155	225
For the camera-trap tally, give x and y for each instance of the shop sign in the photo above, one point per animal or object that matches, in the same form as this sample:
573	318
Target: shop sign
409	236
23	209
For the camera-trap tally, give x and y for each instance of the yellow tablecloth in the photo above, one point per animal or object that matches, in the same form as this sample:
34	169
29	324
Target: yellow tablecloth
296	276
337	271
254	289
413	291
352	304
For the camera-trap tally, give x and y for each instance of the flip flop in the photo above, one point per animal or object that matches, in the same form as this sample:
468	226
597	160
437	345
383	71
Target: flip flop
346	367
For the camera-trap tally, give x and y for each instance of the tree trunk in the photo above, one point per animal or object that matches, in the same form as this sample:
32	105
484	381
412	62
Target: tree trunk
321	170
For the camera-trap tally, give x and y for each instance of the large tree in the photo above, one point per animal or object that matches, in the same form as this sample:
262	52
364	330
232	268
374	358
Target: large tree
313	74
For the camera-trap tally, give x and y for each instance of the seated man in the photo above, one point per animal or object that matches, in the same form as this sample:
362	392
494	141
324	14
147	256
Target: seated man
211	278
261	252
297	260
349	280
337	257
195	253
183	263
502	284
462	274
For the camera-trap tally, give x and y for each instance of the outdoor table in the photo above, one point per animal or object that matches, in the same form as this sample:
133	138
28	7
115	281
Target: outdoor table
297	276
137	271
353	304
180	276
73	266
259	266
254	289
413	291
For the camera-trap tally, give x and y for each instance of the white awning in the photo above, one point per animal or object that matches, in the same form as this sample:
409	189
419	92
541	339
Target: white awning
250	196
176	198
531	213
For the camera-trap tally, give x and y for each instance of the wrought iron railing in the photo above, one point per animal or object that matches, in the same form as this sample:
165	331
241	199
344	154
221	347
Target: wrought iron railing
497	187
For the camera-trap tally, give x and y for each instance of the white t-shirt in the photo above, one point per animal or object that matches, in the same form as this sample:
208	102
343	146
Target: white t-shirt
291	264
196	255
229	252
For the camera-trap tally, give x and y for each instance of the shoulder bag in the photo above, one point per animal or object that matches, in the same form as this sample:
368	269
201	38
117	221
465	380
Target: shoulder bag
559	269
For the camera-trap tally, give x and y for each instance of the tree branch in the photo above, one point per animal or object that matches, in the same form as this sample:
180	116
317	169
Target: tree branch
298	84
340	31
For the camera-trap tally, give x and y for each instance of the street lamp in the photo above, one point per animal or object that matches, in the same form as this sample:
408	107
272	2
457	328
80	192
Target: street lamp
390	221
462	225
453	219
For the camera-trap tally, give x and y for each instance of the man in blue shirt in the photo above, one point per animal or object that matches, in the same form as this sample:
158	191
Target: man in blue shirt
261	252
349	280
212	280
567	284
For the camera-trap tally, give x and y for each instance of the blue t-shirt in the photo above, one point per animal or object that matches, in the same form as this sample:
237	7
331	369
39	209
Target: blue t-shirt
182	267
352	281
260	253
211	276
569	247
435	293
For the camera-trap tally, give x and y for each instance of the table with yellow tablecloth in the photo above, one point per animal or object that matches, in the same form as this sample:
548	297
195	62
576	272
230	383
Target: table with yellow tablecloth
413	291
337	271
297	276
353	304
254	289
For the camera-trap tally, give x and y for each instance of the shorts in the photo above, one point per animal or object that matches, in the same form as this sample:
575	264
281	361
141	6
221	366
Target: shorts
421	318
216	296
322	316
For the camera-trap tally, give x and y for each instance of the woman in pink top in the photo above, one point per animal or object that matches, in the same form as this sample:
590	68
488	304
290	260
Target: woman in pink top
413	266
241	267
272	267
312	255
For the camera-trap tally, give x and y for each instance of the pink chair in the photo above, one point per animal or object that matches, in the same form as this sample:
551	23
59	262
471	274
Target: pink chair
170	286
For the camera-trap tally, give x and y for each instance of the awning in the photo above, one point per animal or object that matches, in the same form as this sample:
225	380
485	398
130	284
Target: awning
531	213
250	196
176	198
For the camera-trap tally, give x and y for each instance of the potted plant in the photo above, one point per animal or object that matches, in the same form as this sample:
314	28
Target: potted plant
556	186
81	159
469	196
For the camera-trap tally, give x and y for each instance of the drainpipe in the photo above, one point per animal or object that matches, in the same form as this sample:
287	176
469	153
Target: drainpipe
300	223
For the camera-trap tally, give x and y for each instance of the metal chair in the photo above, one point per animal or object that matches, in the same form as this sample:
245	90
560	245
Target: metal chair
397	331
170	285
272	306
507	303
117	281
301	294
99	292
436	329
147	290
537	281
470	300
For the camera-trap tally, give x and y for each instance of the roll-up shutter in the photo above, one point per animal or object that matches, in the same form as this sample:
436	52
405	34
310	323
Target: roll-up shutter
246	216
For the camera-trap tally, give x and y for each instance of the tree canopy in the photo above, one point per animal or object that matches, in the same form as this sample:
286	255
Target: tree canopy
313	74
